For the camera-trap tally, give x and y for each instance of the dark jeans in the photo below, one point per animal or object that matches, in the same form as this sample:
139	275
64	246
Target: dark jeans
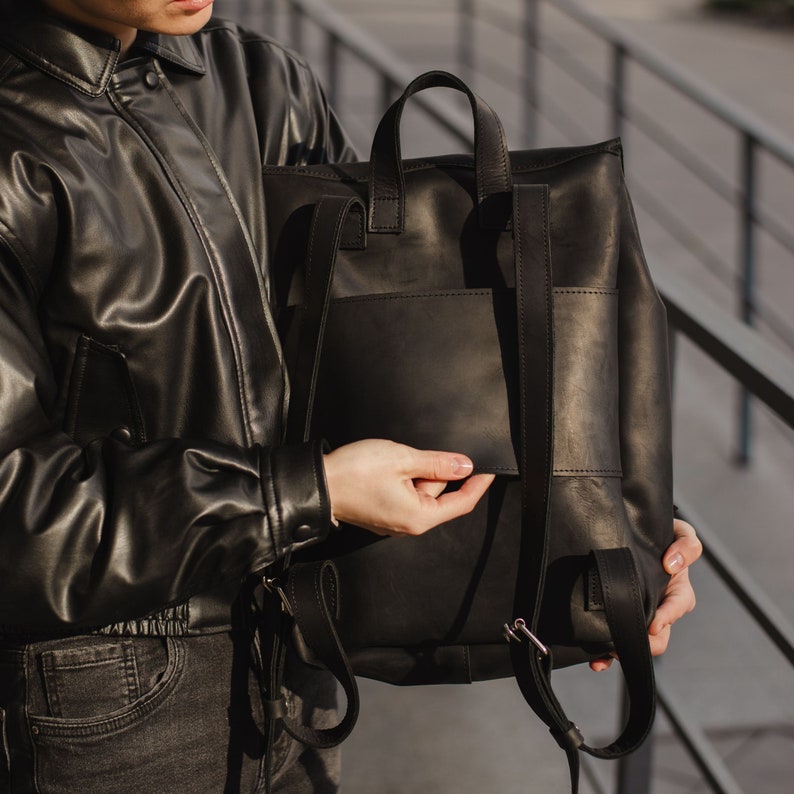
120	714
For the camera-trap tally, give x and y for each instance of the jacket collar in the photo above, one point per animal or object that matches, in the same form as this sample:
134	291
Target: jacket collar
85	58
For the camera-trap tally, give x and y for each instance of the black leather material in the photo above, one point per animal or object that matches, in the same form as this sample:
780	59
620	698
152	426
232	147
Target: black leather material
422	343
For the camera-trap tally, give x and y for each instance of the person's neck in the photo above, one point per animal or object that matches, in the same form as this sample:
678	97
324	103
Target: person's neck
63	8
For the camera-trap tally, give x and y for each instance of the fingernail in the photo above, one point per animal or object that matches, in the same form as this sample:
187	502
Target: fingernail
675	562
462	466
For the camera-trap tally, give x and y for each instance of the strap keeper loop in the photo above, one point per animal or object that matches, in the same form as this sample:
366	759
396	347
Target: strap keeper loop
570	739
275	709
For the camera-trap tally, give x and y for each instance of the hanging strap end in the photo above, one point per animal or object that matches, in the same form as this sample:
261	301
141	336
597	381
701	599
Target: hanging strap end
570	739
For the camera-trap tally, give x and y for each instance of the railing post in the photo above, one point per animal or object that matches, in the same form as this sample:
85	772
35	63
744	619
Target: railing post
296	27
466	62
386	93
268	15
747	268
529	72
634	770
333	70
618	90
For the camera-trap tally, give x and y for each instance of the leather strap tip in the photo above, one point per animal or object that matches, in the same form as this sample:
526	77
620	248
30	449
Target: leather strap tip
570	739
275	709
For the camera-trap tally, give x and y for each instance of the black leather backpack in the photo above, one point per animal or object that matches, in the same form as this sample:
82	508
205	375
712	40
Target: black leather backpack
499	305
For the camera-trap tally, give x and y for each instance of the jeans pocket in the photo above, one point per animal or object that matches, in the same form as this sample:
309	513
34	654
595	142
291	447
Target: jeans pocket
90	681
133	684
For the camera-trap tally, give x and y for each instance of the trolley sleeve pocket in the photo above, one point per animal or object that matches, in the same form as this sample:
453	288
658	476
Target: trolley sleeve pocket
586	432
401	366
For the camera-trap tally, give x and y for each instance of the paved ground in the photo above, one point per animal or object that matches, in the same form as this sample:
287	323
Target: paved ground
729	678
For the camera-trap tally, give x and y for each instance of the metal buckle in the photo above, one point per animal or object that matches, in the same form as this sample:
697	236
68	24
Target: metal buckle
520	625
273	586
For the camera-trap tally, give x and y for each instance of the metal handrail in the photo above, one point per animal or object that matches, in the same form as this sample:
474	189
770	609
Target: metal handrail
393	73
706	96
755	138
751	360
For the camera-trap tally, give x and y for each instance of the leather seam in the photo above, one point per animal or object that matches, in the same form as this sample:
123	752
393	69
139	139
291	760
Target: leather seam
8	65
80	85
388	296
196	220
584	291
589	471
212	159
276	170
319	491
548	464
81	362
23	257
278	510
268	487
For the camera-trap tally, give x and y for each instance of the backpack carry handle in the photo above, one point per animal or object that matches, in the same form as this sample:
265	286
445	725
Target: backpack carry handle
491	157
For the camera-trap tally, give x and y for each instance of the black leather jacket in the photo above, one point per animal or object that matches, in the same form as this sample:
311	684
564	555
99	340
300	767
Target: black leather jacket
141	382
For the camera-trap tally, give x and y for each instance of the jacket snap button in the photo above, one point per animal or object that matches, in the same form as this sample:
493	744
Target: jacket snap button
123	434
151	79
303	532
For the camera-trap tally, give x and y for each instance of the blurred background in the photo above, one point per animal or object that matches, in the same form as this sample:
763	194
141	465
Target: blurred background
702	95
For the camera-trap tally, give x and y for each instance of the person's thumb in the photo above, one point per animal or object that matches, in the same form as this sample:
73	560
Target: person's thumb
430	465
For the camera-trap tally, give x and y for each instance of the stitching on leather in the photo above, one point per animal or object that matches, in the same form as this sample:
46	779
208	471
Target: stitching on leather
199	226
327	631
596	596
316	171
549	315
241	223
362	228
480	178
317	489
520	288
502	157
388	296
585	291
55	71
589	471
635	591
310	254
359	239
464	293
393	200
9	64
277	505
334	595
267	483
82	363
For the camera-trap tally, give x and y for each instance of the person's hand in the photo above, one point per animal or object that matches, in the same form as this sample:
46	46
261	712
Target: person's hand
393	489
679	597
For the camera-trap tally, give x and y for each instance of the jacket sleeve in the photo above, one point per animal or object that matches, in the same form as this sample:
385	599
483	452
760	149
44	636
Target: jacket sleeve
95	535
287	96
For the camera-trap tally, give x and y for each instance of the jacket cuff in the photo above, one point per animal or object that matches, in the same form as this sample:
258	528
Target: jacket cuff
296	495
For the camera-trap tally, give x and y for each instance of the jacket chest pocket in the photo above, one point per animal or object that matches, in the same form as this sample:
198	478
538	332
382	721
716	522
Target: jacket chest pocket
102	396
